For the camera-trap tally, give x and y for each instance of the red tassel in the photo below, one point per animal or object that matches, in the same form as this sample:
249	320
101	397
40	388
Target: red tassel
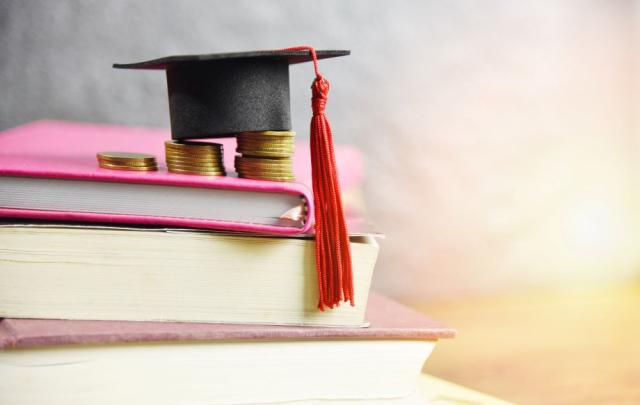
333	252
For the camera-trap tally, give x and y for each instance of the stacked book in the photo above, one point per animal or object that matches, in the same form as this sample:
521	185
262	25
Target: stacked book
150	287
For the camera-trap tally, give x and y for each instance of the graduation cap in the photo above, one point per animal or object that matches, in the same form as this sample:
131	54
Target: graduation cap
222	94
219	95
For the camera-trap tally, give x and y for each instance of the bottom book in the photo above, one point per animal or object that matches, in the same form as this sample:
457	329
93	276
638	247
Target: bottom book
435	391
106	362
430	391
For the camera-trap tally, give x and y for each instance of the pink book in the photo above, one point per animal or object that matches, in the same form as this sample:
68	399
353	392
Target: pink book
387	320
144	363
48	171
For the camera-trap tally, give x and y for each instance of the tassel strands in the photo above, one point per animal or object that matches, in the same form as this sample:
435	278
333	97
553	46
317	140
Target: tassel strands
332	249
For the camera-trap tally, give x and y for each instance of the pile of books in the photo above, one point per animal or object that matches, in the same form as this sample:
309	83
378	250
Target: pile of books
114	289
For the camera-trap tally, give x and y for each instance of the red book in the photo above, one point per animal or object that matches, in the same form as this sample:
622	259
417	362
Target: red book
104	362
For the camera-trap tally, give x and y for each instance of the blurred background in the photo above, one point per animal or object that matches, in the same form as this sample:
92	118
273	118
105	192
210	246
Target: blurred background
501	146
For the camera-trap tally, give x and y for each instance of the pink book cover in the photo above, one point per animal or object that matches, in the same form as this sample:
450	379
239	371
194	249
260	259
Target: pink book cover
388	320
67	150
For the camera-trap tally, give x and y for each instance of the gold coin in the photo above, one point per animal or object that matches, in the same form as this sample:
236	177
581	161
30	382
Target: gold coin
126	156
265	145
183	159
270	144
187	143
194	160
197	168
259	137
265	170
132	168
194	155
262	160
197	156
263	167
268	133
116	162
200	173
264	175
248	149
244	149
196	164
264	153
193	146
272	178
245	145
241	148
258	154
267	162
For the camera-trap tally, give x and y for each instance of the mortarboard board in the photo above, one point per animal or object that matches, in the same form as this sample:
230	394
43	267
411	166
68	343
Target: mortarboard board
223	94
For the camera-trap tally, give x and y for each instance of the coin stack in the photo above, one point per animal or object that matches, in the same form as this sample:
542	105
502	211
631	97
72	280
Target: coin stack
127	161
188	157
266	155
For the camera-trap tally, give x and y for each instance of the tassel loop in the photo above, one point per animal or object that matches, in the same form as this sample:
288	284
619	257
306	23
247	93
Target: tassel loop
320	92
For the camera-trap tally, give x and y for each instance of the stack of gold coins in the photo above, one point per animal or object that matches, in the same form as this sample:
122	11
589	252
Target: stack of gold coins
201	158
266	155
127	161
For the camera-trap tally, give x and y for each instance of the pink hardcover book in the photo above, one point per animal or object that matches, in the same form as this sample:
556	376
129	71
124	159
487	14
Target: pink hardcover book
49	171
387	320
144	363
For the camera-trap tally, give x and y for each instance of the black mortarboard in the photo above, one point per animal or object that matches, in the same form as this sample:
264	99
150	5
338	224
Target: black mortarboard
222	94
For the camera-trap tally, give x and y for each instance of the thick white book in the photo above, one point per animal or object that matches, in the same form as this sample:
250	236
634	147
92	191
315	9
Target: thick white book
142	274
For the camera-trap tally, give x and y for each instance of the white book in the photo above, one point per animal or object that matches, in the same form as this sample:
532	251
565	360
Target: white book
141	274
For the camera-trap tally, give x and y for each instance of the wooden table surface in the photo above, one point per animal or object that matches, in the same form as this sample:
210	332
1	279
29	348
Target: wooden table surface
579	346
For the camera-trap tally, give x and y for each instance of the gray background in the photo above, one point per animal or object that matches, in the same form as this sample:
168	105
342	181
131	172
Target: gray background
499	136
